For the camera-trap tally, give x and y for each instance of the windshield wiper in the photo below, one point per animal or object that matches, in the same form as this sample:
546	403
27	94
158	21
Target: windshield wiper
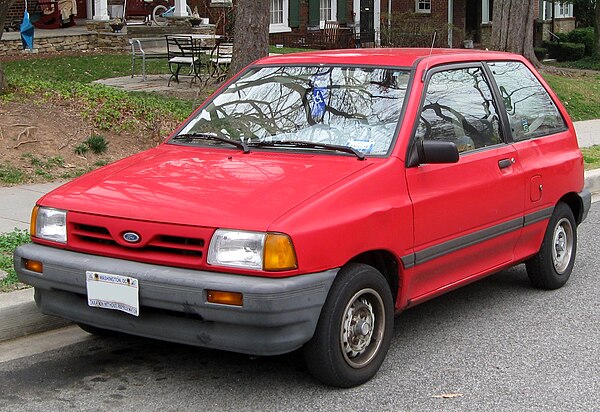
310	145
212	136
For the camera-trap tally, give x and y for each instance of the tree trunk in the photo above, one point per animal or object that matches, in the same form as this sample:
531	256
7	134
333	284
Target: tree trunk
597	29
251	33
4	6
512	27
3	84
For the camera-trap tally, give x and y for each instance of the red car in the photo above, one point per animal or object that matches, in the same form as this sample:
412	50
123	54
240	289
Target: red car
311	198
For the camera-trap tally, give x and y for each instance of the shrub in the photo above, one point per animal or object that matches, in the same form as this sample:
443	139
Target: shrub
566	51
584	36
540	52
97	144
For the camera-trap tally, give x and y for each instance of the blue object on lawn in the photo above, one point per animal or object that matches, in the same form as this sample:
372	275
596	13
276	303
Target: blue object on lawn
27	31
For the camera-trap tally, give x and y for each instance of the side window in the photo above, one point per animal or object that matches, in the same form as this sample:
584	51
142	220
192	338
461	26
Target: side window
531	111
459	107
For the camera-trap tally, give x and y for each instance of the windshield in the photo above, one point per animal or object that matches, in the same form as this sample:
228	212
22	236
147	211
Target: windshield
357	108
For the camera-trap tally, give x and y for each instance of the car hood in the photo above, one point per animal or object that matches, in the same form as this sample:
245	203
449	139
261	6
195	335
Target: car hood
204	187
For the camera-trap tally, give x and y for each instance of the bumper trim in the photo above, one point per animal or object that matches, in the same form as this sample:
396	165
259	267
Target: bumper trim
278	316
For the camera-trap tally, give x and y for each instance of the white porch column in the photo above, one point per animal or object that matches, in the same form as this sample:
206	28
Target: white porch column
180	10
377	21
450	21
485	11
101	10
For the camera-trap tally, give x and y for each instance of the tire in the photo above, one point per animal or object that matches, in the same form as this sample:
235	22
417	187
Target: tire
345	357
551	267
93	330
157	15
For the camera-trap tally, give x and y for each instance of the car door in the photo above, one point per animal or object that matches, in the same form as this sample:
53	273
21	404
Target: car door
467	215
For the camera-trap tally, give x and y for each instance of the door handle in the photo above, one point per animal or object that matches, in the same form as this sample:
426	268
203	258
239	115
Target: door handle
504	163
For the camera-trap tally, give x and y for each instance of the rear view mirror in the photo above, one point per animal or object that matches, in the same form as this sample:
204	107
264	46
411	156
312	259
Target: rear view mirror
437	151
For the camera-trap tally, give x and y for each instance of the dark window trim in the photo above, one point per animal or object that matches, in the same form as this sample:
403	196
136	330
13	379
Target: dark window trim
427	77
509	131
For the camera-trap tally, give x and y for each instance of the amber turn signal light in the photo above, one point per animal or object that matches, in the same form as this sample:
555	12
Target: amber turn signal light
33	265
279	253
33	224
225	298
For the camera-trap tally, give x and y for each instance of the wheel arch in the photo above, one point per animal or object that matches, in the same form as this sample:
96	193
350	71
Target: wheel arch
386	263
573	200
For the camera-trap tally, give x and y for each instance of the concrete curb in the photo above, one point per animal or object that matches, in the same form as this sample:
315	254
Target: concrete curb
592	180
19	316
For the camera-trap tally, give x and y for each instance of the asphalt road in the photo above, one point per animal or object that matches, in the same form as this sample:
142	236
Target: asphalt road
496	345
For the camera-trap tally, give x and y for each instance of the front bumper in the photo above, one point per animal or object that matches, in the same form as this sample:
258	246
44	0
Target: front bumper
278	315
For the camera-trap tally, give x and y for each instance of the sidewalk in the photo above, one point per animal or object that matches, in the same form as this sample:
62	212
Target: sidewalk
19	315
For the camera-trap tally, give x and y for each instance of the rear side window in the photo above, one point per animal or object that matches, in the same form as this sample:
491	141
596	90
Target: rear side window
531	111
459	108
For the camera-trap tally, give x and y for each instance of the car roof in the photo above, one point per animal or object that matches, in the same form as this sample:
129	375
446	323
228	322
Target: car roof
396	57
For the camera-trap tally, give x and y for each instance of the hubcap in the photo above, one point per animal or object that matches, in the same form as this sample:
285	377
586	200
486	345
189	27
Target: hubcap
362	328
562	245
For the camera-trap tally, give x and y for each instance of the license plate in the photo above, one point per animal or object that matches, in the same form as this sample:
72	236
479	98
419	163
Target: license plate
116	292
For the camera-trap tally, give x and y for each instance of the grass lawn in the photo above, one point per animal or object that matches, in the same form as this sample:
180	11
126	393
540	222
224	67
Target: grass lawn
587	63
591	157
580	95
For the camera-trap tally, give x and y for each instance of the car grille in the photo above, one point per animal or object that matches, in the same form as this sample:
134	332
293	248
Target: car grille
160	243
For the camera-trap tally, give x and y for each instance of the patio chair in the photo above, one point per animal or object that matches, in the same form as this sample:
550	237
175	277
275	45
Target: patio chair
331	35
183	52
220	60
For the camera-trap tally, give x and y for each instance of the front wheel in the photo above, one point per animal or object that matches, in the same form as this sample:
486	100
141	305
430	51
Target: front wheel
553	264
354	330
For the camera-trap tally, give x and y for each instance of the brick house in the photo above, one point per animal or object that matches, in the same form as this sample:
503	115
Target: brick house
387	22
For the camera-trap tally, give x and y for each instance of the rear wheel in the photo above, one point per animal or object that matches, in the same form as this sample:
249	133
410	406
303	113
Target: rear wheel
553	264
354	330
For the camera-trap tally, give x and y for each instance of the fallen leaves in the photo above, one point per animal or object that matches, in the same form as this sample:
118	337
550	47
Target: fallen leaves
448	395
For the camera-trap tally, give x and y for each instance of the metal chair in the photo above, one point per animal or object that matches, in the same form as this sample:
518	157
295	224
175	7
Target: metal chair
220	60
182	51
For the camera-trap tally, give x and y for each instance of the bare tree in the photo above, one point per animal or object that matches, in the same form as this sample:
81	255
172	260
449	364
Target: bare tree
512	30
4	6
597	28
251	33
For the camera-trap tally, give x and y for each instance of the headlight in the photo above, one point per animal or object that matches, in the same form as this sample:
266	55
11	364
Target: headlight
49	224
251	250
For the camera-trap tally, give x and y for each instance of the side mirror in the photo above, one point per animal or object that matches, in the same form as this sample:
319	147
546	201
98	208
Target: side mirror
437	151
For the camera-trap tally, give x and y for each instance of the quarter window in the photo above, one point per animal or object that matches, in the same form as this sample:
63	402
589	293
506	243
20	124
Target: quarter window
531	111
459	107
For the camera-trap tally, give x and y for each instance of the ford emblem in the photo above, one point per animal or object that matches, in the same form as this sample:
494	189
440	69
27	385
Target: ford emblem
131	237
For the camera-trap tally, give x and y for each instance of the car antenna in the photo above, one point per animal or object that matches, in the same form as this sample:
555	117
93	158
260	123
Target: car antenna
430	52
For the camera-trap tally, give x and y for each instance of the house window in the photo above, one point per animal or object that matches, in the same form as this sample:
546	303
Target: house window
564	10
423	6
561	10
278	17
276	12
328	10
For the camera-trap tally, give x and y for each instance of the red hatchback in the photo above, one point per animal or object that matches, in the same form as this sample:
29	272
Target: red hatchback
311	198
